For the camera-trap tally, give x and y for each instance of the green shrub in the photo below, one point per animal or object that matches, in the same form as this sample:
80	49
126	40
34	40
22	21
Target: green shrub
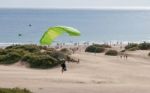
21	52
111	53
144	46
10	58
100	49
133	49
35	56
2	51
40	61
94	49
58	55
30	48
2	58
14	90
27	57
131	46
102	45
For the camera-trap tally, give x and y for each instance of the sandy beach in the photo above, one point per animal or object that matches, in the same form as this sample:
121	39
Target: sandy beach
94	74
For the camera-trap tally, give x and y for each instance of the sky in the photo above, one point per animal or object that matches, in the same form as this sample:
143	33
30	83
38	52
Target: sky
71	4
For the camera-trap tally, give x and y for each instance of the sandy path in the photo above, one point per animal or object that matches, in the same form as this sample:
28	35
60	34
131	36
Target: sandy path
94	74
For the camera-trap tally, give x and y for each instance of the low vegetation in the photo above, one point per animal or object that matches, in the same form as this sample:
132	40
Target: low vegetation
29	48
102	45
10	57
141	46
40	60
14	90
111	53
144	46
95	49
35	56
131	47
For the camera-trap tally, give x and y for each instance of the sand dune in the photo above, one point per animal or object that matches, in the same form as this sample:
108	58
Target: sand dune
94	74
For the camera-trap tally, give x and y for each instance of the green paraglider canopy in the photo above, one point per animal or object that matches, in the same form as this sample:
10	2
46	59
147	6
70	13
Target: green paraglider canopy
54	32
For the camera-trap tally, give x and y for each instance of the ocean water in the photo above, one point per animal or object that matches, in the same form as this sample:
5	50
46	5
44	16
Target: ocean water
95	25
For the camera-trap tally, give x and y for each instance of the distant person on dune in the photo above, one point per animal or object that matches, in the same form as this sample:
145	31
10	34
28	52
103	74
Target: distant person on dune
121	56
126	56
78	61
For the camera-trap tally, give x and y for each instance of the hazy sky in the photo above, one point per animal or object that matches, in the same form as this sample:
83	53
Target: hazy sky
96	4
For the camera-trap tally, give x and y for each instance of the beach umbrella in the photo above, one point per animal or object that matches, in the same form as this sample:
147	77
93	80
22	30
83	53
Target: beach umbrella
53	32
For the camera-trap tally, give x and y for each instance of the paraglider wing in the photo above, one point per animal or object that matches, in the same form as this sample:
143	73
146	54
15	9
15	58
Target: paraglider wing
56	31
71	31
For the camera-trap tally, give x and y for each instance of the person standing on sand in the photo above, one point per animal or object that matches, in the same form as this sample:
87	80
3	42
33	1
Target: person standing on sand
126	56
63	65
121	56
78	61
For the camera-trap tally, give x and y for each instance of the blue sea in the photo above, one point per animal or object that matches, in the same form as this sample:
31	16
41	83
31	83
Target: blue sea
95	25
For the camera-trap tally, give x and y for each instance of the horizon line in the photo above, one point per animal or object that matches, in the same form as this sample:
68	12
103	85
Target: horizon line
79	8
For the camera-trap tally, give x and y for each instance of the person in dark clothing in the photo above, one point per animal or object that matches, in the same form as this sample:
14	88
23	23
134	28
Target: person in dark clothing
126	56
63	65
121	56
